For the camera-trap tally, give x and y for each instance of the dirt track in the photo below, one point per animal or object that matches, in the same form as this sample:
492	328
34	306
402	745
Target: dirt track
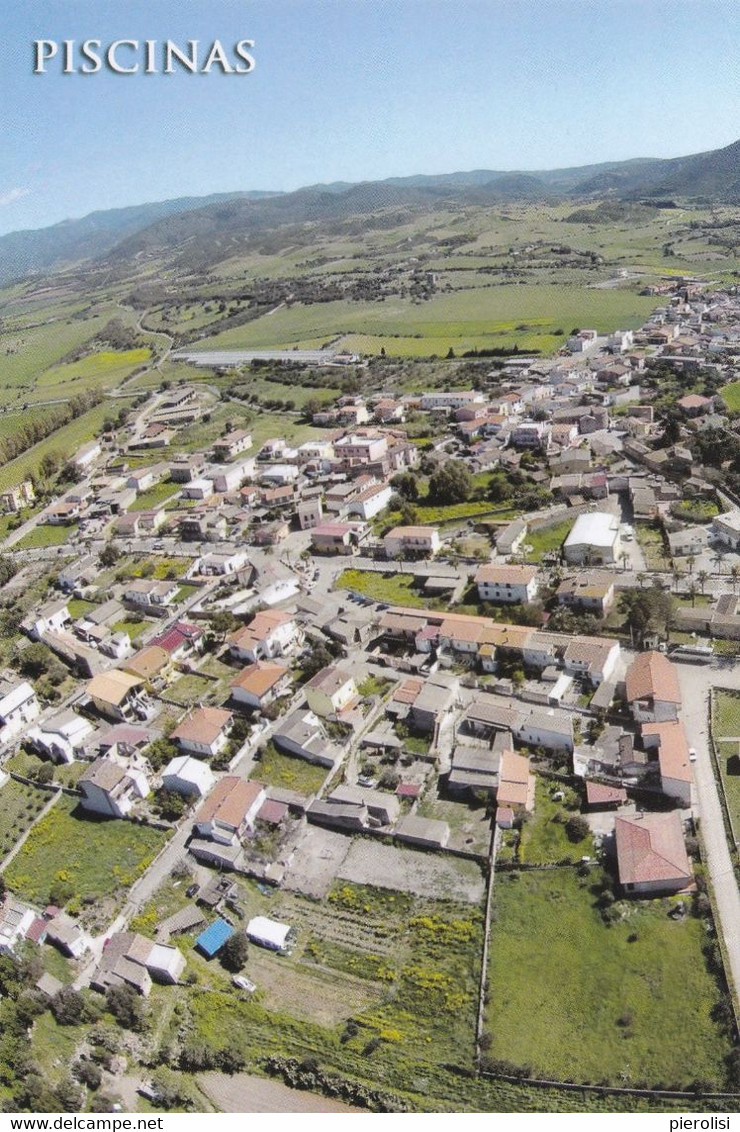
244	1093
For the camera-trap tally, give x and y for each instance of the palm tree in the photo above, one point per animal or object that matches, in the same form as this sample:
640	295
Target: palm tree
735	576
692	592
691	561
702	578
624	559
677	575
718	558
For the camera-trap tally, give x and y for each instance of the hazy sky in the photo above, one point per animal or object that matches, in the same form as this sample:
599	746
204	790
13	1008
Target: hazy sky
354	90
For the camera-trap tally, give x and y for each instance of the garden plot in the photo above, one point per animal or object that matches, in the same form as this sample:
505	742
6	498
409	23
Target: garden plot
409	870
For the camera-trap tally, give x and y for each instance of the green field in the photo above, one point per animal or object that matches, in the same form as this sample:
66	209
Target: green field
64	442
396	589
546	541
543	838
154	496
46	534
467	319
730	394
573	998
276	769
97	858
105	370
19	806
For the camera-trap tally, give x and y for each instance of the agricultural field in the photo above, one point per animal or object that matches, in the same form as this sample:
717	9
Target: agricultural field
528	316
64	443
94	859
20	805
104	370
726	735
652	545
573	998
730	394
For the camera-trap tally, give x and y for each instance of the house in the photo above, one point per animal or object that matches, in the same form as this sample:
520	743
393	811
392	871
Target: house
144	592
651	853
112	788
222	563
231	477
330	691
66	934
188	776
474	768
516	783
590	592
600	797
270	633
310	514
148	663
18	497
507	583
456	399
184	469
383	808
180	640
199	489
550	728
260	683
337	538
371	501
232	443
116	694
204	732
652	688
18	707
673	758
436	697
687	541
62	737
15	920
51	618
694	405
302	734
726	529
229	809
210	941
133	960
594	540
412	542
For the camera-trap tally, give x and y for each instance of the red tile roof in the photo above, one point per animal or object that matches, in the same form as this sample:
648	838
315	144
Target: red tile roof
650	848
652	676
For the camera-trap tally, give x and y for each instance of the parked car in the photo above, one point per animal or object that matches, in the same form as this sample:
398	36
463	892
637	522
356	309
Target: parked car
692	754
192	890
243	983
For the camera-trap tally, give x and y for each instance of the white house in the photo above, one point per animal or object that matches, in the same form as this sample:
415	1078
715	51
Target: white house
187	775
652	687
371	501
229	809
112	788
18	707
507	583
414	541
270	933
62	737
330	690
204	732
270	633
726	529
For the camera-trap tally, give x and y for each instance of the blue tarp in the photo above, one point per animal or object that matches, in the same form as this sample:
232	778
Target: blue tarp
214	937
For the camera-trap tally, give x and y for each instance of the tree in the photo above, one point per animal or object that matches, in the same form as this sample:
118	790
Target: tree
406	484
450	483
318	658
68	1007
693	591
109	555
126	1007
702	577
223	622
88	1073
234	952
38	660
647	611
577	828
160	752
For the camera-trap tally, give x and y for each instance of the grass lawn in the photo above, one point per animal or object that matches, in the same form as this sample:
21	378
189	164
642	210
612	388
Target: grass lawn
158	567
28	764
155	496
543	837
133	626
78	607
19	806
575	999
396	589
546	541
185	592
651	543
730	394
98	858
726	726
191	689
276	769
374	686
46	534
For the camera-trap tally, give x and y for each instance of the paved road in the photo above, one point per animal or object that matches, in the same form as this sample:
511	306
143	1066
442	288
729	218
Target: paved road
696	683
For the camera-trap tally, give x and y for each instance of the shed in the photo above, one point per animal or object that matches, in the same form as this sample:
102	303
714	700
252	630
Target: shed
214	937
269	933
